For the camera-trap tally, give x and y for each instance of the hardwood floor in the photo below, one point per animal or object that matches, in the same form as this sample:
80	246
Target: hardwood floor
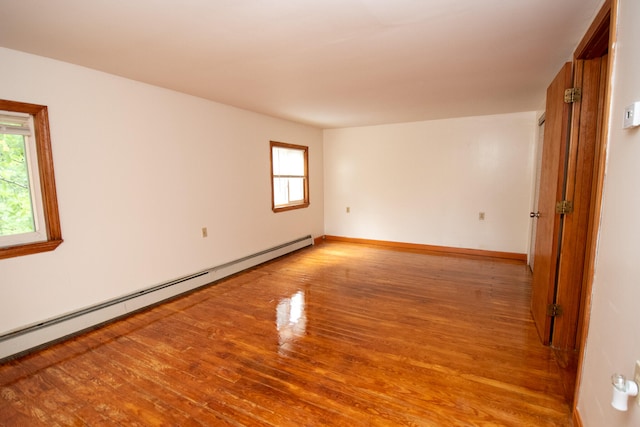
338	335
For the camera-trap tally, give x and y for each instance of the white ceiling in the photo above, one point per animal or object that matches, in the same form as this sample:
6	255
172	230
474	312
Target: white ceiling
328	63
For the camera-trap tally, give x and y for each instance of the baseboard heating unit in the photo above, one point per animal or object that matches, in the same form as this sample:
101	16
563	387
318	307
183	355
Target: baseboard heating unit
28	338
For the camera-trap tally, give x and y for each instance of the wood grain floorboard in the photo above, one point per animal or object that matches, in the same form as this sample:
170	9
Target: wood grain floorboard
339	334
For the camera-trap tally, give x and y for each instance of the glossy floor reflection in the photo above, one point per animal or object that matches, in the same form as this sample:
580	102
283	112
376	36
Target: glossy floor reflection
334	335
291	319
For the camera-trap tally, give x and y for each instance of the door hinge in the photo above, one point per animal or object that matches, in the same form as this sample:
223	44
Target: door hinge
554	310
572	95
564	207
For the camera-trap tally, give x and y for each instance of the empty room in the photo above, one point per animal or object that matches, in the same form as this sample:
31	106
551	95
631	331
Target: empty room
319	213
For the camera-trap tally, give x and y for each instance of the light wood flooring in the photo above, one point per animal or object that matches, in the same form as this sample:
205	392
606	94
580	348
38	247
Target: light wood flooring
339	334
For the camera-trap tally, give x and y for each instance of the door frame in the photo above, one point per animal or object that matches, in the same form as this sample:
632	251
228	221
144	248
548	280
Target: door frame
592	45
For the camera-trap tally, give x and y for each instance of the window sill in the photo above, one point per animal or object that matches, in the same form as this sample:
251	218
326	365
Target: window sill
29	248
290	207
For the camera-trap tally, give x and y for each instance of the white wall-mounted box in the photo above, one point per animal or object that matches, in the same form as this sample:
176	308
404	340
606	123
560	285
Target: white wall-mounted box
632	115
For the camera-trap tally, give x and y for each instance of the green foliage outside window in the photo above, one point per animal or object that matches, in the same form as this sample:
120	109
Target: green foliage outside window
16	214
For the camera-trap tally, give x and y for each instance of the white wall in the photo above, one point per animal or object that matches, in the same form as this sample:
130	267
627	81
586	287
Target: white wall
613	343
139	171
426	182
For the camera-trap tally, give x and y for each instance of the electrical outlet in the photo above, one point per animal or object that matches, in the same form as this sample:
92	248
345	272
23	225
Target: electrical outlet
348	209
481	216
204	232
636	378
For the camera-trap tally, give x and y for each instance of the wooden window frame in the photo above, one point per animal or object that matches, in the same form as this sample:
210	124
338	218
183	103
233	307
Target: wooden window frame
305	202
46	176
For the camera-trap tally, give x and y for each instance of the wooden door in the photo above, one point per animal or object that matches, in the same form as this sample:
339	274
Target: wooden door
566	174
551	190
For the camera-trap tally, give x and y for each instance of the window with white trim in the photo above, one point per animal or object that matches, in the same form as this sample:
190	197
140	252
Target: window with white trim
289	176
29	220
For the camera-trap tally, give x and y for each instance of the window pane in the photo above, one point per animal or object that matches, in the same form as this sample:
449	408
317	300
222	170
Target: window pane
16	210
280	191
288	161
296	189
275	160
